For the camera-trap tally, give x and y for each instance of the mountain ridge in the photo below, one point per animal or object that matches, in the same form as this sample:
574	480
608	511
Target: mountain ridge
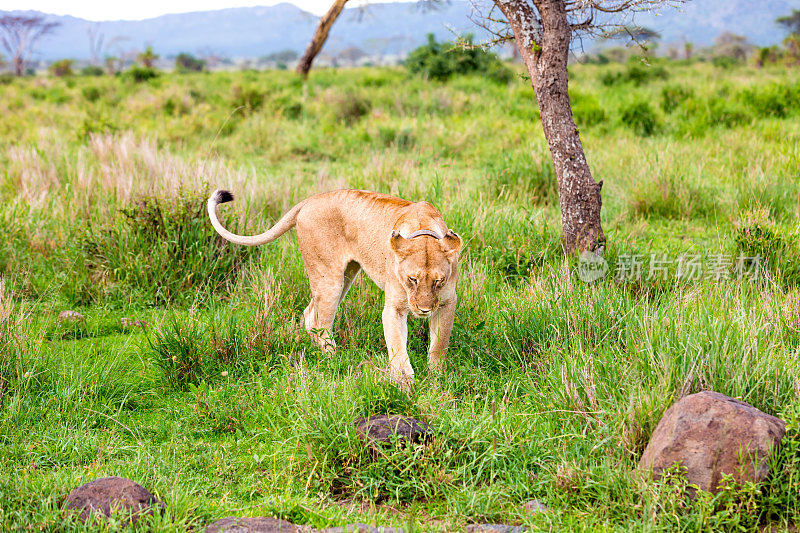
378	29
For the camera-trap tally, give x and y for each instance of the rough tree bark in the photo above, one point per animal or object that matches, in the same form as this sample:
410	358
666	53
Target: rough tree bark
544	47
320	36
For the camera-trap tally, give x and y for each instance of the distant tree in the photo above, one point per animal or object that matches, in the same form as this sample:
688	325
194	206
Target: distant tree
111	63
638	34
688	50
283	56
734	46
792	46
351	55
791	22
188	63
19	35
61	68
96	41
147	58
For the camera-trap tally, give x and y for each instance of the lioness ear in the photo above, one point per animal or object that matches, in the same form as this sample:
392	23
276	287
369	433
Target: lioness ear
452	243
399	244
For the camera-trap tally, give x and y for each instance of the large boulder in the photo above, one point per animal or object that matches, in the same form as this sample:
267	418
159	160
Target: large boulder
708	433
383	428
233	524
110	495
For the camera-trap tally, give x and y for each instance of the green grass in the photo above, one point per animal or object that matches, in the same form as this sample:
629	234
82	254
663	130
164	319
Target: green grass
223	405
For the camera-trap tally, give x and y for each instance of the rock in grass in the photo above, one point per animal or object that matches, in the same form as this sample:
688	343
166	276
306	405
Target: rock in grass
381	428
534	506
110	495
708	433
72	317
233	524
360	528
495	528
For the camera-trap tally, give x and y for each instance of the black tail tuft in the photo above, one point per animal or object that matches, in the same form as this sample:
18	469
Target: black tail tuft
223	196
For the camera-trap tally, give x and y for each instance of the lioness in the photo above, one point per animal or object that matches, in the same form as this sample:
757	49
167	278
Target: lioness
404	247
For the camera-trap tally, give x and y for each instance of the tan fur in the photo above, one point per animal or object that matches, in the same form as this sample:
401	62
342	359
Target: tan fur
342	232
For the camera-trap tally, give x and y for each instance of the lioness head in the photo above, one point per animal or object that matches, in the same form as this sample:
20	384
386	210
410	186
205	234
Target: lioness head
425	267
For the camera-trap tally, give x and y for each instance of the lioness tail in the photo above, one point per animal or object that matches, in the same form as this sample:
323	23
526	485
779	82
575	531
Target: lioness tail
286	222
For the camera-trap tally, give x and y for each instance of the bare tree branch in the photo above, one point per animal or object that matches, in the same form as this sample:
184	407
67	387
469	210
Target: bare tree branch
20	33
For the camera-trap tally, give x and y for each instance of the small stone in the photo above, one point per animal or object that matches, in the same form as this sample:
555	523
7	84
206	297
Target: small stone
111	495
233	524
381	428
535	506
224	373
707	433
495	528
73	317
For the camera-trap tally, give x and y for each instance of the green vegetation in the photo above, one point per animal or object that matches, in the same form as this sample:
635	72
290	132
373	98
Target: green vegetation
222	405
441	61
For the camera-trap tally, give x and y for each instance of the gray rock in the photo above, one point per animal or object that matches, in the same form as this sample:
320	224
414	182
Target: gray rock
380	428
535	506
707	433
73	317
360	528
495	528
233	524
111	495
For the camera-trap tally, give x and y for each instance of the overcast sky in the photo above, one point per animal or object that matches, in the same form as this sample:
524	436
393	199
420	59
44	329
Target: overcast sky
143	9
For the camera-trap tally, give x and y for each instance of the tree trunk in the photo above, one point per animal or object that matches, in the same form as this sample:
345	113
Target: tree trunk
320	36
19	65
546	62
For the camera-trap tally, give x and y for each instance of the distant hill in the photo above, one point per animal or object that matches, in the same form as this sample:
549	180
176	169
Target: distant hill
378	29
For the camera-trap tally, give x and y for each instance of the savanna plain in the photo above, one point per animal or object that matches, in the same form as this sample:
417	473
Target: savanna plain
192	373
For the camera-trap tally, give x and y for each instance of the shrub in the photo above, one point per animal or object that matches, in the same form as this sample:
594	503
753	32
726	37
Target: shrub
587	110
635	73
349	106
441	61
61	68
247	97
141	74
672	96
91	93
189	63
756	236
640	117
524	174
92	70
158	251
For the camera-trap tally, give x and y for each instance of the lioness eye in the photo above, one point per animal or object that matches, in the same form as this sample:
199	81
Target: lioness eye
412	280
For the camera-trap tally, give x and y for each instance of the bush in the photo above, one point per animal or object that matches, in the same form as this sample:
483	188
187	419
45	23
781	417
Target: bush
189	352
189	63
158	251
635	73
757	236
672	96
91	93
141	74
524	174
246	97
441	61
61	68
640	117
92	70
587	110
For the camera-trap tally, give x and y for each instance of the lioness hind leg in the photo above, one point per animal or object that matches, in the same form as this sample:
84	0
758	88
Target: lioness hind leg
328	287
